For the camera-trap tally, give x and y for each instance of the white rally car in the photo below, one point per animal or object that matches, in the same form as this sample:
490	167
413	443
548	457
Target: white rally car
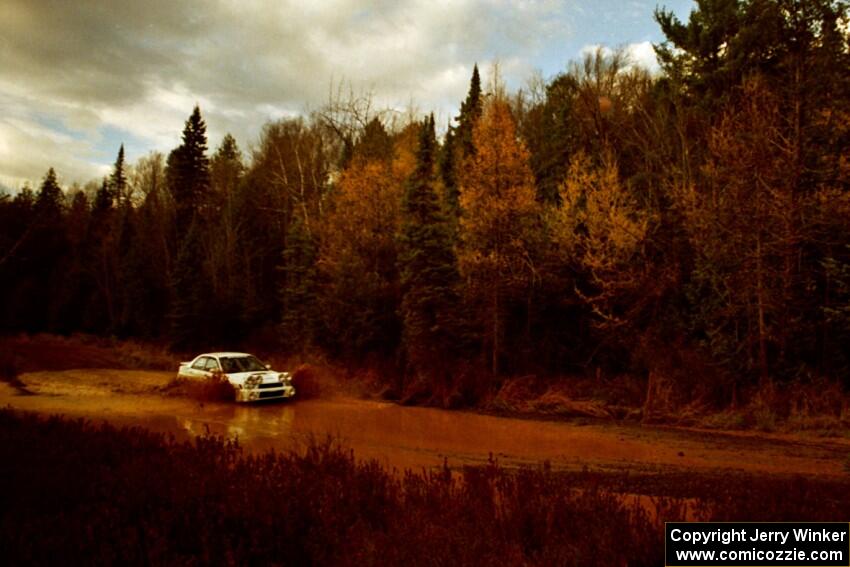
251	379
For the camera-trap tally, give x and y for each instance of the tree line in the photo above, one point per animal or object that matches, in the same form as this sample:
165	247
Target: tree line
607	220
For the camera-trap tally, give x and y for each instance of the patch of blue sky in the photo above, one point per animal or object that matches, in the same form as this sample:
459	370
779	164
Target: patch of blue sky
610	23
110	140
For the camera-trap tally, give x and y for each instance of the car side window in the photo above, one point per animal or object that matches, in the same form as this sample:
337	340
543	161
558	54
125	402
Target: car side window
212	364
201	363
229	365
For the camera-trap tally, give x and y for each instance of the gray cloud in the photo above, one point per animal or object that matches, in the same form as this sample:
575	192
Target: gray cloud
139	67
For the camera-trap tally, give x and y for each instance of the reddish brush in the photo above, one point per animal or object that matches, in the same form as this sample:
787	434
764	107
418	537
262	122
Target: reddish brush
97	494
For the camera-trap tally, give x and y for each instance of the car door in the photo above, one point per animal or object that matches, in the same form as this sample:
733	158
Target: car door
212	366
199	367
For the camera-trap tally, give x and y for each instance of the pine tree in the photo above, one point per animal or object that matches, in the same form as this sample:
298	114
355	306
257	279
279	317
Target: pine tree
118	179
374	144
226	165
188	175
101	253
551	132
49	246
448	171
470	113
102	200
189	170
459	144
48	203
428	266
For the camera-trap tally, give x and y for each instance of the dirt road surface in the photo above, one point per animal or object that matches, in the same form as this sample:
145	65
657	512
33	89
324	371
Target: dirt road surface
409	437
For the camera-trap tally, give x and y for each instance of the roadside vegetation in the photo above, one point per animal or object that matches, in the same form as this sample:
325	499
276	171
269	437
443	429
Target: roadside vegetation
103	495
816	407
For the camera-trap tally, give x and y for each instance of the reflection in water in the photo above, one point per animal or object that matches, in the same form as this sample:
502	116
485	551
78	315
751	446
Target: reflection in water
410	437
254	425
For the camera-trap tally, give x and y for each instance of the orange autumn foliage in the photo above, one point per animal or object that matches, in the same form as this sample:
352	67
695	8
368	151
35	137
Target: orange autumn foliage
498	220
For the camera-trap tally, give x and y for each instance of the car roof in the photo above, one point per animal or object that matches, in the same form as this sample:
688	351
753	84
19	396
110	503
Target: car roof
221	354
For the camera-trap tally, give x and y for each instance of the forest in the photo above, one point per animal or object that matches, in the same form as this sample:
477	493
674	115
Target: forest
690	225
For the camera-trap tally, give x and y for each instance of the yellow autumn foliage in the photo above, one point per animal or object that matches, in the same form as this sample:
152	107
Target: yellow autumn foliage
602	229
499	217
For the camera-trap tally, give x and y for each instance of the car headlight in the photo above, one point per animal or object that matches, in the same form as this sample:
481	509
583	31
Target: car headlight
253	381
284	377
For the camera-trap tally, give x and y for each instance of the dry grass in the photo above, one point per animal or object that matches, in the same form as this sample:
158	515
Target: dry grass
565	397
53	352
818	406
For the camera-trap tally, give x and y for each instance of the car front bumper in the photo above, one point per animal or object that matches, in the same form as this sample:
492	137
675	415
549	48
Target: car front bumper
258	394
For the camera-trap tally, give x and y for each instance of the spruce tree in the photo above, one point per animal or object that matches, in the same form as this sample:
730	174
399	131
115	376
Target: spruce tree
448	173
49	246
226	169
118	179
374	144
48	203
470	113
102	200
227	161
189	170
459	144
190	311
427	265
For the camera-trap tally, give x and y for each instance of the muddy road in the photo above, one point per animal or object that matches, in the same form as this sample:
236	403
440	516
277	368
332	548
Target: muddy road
409	437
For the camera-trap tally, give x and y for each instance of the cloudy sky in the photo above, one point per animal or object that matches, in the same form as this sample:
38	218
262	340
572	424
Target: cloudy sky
79	78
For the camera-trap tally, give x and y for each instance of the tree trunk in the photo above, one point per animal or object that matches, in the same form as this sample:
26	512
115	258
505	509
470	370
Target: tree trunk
765	376
496	326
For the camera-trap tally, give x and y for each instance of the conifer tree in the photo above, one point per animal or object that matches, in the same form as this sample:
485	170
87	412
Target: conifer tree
189	180
459	144
428	265
118	179
470	113
49	245
48	203
374	144
188	170
102	199
226	165
101	261
448	170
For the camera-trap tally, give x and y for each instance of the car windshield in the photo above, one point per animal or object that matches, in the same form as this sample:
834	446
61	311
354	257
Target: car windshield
235	364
